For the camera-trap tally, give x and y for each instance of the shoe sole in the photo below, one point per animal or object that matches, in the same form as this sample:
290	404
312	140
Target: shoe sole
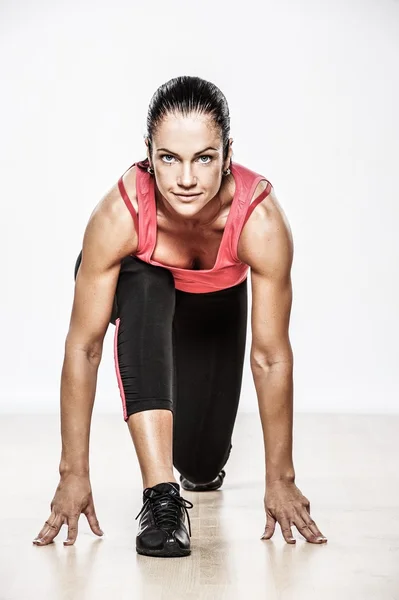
203	487
173	551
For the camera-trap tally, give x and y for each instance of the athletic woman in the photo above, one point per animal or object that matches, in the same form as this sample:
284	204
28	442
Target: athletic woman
166	255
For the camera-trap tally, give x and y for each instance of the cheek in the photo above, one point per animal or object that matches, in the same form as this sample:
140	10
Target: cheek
165	183
212	184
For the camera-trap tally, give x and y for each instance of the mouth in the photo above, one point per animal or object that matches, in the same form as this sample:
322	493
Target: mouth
187	196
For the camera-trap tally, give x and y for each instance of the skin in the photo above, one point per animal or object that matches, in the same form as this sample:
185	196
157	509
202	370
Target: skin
266	245
188	232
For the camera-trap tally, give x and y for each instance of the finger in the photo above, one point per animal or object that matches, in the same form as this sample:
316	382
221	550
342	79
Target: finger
92	519
312	525
307	533
286	530
49	530
72	531
44	528
270	527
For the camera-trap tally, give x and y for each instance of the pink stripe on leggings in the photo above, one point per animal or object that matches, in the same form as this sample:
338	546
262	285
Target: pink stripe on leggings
118	373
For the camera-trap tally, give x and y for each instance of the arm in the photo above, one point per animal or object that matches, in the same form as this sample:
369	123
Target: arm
109	236
266	245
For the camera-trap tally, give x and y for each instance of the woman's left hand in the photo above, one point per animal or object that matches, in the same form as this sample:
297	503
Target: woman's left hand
285	504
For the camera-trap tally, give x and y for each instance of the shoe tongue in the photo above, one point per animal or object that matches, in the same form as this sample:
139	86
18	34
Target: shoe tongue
171	487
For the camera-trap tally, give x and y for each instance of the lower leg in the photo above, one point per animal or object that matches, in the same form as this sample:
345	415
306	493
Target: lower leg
152	435
162	529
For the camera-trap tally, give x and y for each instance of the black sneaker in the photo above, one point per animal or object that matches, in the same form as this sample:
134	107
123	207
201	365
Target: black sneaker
162	531
215	484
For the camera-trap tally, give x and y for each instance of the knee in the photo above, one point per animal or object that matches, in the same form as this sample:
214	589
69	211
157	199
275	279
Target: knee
149	277
200	469
197	473
145	285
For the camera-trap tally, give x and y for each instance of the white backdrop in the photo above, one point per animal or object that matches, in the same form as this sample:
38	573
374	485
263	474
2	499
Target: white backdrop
313	91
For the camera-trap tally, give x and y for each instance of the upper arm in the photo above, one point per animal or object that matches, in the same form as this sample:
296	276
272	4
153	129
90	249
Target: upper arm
266	245
109	237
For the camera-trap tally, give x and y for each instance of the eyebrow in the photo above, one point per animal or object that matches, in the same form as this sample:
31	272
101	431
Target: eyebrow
195	154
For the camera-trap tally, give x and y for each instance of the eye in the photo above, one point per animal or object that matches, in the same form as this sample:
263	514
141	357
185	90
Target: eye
165	158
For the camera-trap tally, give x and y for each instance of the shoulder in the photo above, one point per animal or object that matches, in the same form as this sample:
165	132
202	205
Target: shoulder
129	181
266	242
110	228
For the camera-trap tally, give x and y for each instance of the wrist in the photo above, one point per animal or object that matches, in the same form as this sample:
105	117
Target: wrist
284	475
80	469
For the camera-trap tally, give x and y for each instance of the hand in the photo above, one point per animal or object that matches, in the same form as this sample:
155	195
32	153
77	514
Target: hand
72	497
285	503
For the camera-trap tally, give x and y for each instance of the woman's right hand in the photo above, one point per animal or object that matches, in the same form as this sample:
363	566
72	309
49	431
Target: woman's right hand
73	496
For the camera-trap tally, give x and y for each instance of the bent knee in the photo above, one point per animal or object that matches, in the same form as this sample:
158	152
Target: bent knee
198	473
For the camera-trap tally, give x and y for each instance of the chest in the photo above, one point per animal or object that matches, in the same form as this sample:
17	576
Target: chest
195	249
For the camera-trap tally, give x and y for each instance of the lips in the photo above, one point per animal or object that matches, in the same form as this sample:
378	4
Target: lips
187	198
187	195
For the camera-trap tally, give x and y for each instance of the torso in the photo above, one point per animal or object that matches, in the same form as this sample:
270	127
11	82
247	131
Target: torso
191	249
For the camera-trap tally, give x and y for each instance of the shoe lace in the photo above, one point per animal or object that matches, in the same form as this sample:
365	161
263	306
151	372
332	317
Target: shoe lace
165	514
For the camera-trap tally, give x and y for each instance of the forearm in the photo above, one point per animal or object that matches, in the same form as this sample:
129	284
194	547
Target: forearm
78	388
274	387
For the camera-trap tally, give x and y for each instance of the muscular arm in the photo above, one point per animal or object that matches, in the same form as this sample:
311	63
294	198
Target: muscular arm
266	246
109	237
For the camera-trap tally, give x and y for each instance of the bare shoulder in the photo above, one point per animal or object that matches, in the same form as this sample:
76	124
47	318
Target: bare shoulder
110	233
266	242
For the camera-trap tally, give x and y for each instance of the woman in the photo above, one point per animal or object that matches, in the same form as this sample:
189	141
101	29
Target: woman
165	258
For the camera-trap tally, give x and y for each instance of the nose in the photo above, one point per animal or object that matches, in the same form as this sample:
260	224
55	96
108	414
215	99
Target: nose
187	178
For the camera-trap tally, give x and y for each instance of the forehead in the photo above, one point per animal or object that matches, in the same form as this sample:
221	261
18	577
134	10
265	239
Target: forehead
177	131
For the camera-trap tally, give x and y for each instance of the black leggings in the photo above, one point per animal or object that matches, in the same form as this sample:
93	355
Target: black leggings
182	352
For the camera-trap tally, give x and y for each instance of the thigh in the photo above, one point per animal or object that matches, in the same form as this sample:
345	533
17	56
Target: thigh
143	348
209	335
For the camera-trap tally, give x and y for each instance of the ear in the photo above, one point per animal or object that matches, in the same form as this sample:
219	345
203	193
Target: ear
148	150
229	155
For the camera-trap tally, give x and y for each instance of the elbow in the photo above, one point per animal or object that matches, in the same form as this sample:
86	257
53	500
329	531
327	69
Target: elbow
91	350
261	361
94	354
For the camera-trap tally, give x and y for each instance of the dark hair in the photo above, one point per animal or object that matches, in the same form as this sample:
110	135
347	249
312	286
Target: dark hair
185	95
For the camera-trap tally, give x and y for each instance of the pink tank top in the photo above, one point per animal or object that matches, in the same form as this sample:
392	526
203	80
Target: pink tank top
228	270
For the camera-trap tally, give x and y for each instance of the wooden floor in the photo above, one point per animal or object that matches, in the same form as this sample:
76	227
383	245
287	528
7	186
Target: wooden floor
346	465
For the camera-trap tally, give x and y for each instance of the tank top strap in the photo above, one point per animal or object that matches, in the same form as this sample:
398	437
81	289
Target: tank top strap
126	199
246	205
145	193
141	218
257	200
